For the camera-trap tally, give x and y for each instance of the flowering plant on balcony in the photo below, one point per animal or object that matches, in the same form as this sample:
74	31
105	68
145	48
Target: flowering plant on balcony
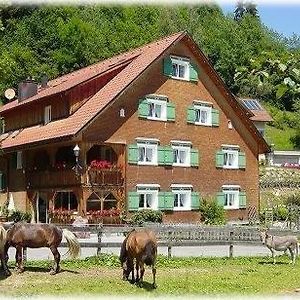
59	212
100	164
290	165
113	212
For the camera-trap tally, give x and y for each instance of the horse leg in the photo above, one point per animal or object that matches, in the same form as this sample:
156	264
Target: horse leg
4	260
142	270
273	256
137	271
154	275
19	259
56	256
292	255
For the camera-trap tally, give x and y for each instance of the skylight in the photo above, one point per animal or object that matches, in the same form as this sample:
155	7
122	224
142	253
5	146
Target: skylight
252	104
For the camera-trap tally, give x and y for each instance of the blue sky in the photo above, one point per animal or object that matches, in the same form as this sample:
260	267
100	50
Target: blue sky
284	19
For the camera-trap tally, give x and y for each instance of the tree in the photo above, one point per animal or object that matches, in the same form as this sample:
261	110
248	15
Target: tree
239	11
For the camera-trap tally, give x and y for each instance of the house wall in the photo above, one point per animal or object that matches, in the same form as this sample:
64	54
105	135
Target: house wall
206	179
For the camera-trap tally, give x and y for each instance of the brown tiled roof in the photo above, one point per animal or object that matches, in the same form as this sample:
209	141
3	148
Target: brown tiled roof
261	116
139	59
134	63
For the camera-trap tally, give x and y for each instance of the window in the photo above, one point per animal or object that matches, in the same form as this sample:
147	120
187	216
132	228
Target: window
147	153
202	113
19	160
148	196
230	157
157	108
47	114
231	197
182	197
181	153
180	67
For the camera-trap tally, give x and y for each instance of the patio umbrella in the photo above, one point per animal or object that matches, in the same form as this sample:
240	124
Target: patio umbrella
11	204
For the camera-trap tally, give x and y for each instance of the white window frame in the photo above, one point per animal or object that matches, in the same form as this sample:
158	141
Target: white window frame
231	191
148	144
183	62
182	146
47	114
185	190
208	110
231	150
151	190
19	160
163	104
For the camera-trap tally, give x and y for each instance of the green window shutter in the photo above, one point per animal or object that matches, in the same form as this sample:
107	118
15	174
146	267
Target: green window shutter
168	70
161	155
169	156
242	160
132	154
215	117
221	198
133	201
242	200
143	108
191	115
194	157
193	72
195	200
161	201
219	159
170	111
169	200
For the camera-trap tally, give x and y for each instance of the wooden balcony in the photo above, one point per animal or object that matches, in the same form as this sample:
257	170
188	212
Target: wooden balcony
67	177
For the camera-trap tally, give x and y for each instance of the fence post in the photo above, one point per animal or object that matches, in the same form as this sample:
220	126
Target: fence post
230	244
169	245
24	254
99	239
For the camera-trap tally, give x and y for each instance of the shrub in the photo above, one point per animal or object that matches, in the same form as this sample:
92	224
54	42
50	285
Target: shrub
211	212
146	215
280	213
293	199
17	216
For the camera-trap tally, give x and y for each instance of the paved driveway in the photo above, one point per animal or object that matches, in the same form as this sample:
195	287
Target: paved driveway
205	251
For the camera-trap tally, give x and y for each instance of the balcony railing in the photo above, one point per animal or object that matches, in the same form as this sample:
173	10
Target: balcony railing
67	177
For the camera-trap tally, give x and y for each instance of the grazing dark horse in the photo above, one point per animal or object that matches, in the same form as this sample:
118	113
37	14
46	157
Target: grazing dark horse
141	246
280	243
22	235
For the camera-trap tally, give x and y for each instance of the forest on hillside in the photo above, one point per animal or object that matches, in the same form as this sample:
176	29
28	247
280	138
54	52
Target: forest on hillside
253	60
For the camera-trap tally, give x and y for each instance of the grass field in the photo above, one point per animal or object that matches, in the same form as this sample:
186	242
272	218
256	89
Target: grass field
177	276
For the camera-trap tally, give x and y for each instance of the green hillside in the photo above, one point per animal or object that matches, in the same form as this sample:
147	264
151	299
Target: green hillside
252	60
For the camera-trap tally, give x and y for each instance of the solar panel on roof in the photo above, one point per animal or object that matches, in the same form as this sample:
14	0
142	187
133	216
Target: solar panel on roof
252	104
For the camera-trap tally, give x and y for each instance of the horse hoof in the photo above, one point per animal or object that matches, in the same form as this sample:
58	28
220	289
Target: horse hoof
19	271
154	285
7	273
52	272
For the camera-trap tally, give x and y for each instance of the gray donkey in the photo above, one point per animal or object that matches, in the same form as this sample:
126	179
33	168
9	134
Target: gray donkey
280	243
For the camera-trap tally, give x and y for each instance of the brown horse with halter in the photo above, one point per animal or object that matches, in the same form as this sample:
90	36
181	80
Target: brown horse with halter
141	246
22	235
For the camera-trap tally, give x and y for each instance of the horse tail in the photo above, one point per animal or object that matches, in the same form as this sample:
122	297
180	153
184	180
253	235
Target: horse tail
149	255
3	235
73	244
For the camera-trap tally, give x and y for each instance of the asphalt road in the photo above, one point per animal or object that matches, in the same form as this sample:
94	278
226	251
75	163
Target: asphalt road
204	251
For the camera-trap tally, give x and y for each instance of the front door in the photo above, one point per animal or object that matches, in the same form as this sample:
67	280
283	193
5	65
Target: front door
41	209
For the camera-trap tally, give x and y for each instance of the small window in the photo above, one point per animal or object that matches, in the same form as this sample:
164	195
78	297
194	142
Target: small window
203	115
157	109
231	197
19	160
147	153
148	197
182	198
180	68
231	158
182	156
47	114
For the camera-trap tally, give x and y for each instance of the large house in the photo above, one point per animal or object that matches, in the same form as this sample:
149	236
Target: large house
155	127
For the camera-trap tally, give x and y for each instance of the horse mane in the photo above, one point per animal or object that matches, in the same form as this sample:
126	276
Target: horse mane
123	251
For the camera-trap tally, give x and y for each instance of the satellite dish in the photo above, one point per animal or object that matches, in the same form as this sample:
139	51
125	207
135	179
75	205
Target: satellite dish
10	94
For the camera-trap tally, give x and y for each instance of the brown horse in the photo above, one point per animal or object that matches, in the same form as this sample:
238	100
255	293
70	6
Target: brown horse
141	246
22	235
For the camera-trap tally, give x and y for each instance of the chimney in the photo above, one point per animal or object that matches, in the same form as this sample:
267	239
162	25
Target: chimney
27	89
44	81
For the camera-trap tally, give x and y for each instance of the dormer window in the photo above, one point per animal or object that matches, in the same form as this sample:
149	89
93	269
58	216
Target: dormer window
180	67
47	114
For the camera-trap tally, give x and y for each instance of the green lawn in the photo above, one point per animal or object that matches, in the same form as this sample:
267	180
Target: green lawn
188	276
